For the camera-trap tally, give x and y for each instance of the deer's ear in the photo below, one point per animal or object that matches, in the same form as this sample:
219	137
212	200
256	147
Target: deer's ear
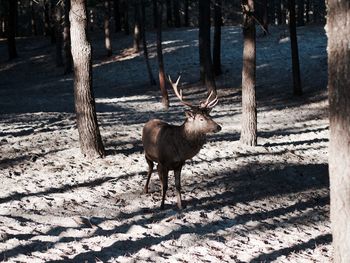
189	114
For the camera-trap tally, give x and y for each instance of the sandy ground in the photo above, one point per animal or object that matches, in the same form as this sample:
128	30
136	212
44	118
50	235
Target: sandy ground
243	204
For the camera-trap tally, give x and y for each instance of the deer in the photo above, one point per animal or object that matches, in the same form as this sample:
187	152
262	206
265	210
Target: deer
170	145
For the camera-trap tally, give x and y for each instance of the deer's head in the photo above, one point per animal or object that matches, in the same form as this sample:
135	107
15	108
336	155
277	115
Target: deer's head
198	119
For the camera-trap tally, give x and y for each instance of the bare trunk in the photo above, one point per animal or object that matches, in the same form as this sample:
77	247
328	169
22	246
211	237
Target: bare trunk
265	21
186	18
294	48
338	20
204	46
66	39
117	20
169	13
217	38
137	30
176	10
155	13
89	134
301	13
144	43
279	12
47	22
11	30
33	19
125	17
249	115
165	98
58	34
107	29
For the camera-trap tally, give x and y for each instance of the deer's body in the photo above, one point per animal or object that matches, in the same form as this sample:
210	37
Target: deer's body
170	146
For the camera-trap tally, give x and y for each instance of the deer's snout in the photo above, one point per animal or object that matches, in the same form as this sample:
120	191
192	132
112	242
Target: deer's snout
218	128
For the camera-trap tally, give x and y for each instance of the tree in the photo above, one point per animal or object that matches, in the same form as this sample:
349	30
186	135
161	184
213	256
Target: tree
33	19
144	43
11	29
294	48
165	98
66	39
217	37
301	13
125	17
47	22
169	13
89	134
249	114
338	19
137	27
186	18
107	30
57	10
206	65
176	10
117	20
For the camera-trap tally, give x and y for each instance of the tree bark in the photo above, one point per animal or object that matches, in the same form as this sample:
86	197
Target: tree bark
206	66
186	17
137	27
11	30
265	20
297	90
155	13
338	32
89	135
144	43
66	39
217	38
117	20
107	30
169	13
47	22
58	34
279	12
164	92
125	17
301	13
249	111
33	19
176	10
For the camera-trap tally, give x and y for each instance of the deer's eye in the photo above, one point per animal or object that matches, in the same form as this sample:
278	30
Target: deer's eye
201	119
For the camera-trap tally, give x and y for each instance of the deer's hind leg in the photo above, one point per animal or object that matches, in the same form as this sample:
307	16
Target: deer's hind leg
163	176
149	173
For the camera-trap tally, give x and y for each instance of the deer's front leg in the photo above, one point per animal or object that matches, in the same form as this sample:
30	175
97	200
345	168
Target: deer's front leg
177	173
163	175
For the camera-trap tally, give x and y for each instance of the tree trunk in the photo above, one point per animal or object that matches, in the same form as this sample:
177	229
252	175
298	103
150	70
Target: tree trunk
186	18
307	11
144	43
301	13
125	17
117	20
176	10
204	46
47	22
137	30
53	24
89	134
107	30
249	112
338	20
66	39
217	38
279	12
155	13
169	13
265	20
294	48
165	98
11	30
58	34
33	19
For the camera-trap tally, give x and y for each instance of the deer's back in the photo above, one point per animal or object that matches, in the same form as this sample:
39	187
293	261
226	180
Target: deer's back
163	143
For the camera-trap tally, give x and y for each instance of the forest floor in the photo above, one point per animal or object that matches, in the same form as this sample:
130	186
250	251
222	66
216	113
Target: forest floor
243	204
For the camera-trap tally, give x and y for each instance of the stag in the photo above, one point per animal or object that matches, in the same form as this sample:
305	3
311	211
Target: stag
170	145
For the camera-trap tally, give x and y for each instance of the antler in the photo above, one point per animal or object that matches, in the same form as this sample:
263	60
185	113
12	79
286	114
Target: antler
208	104
177	92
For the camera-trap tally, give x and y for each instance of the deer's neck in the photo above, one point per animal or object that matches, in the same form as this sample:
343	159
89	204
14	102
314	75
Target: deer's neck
192	137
